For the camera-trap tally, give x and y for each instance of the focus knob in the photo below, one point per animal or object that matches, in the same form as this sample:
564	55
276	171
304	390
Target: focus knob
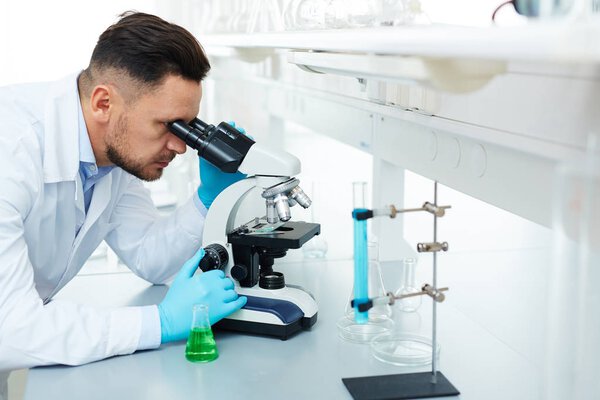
215	257
239	272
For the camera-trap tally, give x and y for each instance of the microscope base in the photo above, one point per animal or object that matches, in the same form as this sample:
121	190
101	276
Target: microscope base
280	313
282	332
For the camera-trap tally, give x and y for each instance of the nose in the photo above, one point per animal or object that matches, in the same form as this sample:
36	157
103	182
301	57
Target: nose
175	144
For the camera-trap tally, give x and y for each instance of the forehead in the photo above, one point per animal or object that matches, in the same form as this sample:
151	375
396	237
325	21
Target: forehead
174	98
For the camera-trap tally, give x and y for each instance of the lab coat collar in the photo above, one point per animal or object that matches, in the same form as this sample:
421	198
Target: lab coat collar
86	152
61	136
61	150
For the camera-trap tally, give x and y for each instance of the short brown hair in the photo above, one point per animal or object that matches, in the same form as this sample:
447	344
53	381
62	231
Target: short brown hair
149	48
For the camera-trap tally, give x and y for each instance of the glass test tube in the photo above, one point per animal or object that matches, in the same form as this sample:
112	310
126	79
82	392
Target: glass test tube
361	284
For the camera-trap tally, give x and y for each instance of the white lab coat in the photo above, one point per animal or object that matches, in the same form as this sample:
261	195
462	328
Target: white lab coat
41	202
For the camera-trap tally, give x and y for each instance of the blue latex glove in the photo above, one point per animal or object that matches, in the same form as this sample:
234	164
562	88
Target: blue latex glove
213	181
211	288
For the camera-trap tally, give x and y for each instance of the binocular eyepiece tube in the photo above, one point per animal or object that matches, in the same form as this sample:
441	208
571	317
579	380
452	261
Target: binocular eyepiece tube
223	146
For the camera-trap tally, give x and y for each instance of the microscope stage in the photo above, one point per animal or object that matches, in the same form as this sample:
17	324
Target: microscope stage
291	235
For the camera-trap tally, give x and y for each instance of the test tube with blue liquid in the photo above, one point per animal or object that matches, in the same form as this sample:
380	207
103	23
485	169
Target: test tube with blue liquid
362	326
361	275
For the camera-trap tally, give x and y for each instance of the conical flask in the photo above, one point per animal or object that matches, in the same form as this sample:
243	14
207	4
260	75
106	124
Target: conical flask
376	287
379	317
201	345
410	304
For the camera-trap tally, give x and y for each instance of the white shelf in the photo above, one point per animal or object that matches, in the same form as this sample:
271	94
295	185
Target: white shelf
507	105
539	42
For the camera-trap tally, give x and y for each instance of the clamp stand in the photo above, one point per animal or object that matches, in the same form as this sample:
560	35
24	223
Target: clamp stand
414	385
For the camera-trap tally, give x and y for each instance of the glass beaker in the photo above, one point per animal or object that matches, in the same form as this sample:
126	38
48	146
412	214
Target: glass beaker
201	345
336	14
410	304
363	13
310	14
317	246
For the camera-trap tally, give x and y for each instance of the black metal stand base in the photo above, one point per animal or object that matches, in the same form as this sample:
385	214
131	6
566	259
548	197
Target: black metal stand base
401	386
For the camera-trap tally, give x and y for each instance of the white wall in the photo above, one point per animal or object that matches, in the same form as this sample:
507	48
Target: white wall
44	40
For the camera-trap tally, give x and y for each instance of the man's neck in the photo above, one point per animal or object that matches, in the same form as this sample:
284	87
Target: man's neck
94	130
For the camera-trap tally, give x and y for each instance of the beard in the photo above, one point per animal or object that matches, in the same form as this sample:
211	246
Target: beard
119	152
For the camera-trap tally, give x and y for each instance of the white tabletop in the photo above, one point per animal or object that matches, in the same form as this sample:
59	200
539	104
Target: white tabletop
311	364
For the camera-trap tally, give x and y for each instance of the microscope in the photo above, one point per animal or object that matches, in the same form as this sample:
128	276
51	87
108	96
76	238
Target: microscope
242	239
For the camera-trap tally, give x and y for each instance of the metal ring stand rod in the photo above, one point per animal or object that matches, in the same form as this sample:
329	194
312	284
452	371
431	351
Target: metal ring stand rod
434	314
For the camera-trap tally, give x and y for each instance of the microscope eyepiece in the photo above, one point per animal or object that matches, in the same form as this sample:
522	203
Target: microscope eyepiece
200	125
223	145
192	137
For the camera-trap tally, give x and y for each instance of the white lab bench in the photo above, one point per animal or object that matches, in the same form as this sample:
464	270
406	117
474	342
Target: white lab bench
312	363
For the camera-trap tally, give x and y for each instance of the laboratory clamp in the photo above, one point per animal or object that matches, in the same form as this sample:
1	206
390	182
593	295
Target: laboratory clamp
410	385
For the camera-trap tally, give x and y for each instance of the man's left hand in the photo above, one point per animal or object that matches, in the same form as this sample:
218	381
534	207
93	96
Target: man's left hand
213	181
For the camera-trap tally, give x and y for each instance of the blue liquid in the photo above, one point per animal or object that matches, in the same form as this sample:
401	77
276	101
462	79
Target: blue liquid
361	275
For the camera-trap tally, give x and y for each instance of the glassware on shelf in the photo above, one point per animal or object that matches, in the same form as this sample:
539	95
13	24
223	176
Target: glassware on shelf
240	20
265	16
410	304
221	14
401	12
289	15
310	14
336	14
363	13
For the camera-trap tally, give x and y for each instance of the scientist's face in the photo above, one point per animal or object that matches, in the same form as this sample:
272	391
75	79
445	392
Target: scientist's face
137	139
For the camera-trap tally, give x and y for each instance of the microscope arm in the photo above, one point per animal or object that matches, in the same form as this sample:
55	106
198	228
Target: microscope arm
265	160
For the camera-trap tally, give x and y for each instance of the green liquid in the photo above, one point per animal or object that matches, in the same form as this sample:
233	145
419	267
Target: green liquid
201	346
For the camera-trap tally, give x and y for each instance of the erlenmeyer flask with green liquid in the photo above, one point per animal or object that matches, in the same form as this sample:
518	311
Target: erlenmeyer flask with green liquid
201	345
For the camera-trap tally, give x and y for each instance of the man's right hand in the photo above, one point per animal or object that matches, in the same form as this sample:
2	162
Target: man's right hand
211	288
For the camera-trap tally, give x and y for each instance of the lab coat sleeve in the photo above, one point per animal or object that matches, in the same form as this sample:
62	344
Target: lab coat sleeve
33	333
154	247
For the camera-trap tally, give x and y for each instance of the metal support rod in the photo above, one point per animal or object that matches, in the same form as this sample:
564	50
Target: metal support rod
434	316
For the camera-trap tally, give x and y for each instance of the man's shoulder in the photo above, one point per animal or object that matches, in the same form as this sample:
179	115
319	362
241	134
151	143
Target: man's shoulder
22	108
27	102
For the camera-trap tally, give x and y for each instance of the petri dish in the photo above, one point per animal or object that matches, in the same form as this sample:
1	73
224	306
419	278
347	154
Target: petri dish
403	349
350	330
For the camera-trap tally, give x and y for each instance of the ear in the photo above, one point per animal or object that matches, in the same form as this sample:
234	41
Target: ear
101	103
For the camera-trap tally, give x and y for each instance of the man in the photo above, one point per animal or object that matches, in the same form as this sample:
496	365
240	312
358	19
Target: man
72	154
